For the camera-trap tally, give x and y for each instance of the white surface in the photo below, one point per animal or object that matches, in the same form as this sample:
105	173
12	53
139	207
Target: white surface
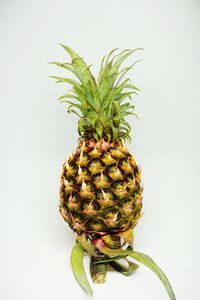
37	134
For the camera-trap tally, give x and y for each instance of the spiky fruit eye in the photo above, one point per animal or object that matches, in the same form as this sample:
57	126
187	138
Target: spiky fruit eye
111	213
95	153
116	153
95	224
90	207
108	159
124	223
96	166
115	173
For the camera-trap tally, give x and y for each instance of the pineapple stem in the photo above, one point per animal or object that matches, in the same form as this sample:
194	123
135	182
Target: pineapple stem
97	271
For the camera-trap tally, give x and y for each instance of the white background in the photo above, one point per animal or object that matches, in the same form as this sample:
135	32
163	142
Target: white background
37	134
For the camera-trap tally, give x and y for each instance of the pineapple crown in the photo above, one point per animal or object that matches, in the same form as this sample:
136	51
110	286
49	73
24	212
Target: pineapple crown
100	103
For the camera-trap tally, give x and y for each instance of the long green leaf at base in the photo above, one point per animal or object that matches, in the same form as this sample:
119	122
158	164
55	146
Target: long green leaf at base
144	259
78	268
148	262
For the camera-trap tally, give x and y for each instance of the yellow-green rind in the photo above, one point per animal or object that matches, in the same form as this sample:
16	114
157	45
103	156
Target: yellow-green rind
101	189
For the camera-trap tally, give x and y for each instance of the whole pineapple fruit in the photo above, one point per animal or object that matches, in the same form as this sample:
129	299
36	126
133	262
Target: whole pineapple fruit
101	191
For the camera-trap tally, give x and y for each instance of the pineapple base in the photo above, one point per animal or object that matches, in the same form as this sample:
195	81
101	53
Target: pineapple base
101	247
110	252
100	262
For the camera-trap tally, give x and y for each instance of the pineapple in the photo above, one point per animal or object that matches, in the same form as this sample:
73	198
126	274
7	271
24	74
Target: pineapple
101	190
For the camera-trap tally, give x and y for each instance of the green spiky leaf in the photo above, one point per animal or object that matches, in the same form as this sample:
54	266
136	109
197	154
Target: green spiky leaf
99	128
65	96
100	102
130	86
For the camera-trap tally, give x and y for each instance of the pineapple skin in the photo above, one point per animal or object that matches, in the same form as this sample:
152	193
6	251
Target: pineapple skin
101	189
